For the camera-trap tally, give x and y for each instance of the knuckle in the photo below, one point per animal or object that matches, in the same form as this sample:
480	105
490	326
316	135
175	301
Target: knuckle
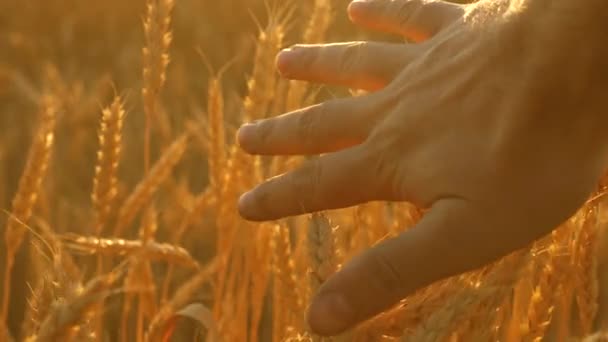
306	182
384	160
308	124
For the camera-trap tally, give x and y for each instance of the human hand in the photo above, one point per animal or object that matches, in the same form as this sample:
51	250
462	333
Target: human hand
475	122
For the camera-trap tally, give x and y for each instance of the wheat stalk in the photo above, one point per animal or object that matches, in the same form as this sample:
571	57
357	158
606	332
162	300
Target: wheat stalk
180	299
217	140
147	187
285	286
586	285
200	203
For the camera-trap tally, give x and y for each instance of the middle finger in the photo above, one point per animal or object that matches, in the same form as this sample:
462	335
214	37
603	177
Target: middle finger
322	128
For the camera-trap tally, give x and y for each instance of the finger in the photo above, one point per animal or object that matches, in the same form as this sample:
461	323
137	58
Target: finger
360	65
417	20
332	181
449	240
322	128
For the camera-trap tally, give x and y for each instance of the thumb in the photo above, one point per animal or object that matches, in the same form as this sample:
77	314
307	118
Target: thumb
449	240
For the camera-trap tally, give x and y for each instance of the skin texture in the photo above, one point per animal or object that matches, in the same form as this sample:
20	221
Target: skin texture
492	118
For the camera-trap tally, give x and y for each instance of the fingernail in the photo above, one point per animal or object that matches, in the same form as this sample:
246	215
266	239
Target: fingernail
285	58
359	2
245	204
245	134
330	314
356	6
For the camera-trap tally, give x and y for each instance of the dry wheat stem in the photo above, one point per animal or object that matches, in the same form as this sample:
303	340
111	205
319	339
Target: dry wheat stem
586	285
200	203
139	277
180	299
147	187
262	268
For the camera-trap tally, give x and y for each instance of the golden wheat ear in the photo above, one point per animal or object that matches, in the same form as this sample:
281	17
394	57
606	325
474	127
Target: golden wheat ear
315	32
28	190
287	305
158	36
108	158
262	83
68	318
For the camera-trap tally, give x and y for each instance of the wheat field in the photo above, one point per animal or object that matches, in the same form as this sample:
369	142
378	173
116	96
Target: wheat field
119	177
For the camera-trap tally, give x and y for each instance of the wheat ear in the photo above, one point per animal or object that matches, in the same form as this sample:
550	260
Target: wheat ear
27	192
158	37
